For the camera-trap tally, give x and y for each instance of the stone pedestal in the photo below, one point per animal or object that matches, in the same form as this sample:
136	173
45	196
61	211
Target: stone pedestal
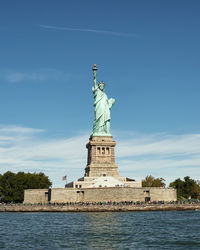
101	157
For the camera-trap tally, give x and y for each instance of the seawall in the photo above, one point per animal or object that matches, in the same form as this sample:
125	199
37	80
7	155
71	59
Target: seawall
100	194
97	207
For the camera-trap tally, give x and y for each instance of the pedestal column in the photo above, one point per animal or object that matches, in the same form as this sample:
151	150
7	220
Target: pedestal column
101	157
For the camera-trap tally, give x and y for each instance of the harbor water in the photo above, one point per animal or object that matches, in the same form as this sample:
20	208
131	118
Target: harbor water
104	230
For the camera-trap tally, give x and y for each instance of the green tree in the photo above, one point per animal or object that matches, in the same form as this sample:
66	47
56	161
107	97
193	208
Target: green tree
12	185
150	181
0	188
187	188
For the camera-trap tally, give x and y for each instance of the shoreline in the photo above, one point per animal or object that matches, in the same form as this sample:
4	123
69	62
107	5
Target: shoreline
97	207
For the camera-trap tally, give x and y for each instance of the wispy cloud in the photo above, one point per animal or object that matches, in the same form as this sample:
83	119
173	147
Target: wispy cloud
161	144
105	32
162	155
19	129
41	75
24	149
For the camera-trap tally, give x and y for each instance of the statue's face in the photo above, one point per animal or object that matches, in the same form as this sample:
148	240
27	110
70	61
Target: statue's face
101	86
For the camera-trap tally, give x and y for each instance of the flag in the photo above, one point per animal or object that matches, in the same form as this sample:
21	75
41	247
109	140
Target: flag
64	178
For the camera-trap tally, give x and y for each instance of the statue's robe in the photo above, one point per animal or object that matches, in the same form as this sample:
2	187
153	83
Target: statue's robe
102	110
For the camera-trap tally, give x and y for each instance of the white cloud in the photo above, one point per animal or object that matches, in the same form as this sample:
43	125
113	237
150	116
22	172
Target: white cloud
160	144
167	156
19	130
105	32
42	75
23	149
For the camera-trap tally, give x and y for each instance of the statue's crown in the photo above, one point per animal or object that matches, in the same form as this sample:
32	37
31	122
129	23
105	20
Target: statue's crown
102	82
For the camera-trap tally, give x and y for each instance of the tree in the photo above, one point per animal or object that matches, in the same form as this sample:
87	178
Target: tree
12	185
0	188
187	188
150	181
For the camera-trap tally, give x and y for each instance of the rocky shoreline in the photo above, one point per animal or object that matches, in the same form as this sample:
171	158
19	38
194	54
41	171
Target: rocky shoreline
97	207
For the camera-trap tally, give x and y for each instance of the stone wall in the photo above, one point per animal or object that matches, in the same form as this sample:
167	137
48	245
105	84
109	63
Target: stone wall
36	196
117	194
60	195
163	194
97	207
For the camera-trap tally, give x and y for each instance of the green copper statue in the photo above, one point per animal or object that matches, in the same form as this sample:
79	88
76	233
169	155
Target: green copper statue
102	108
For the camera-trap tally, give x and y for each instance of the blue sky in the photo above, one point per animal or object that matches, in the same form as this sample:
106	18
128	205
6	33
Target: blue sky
148	54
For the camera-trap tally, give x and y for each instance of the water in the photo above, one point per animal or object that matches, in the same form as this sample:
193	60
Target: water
128	230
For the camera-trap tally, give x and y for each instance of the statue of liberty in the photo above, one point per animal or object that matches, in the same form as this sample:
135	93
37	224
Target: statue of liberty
102	106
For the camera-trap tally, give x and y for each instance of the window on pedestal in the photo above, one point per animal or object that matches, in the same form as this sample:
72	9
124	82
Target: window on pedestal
98	150
107	151
103	150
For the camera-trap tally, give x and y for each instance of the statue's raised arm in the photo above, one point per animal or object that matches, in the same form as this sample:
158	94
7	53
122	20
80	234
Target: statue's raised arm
102	108
95	77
